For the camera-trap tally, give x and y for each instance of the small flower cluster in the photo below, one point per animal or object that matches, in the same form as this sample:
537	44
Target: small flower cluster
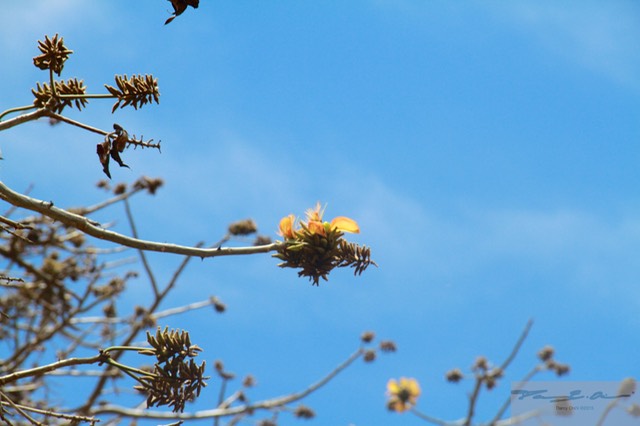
403	394
316	246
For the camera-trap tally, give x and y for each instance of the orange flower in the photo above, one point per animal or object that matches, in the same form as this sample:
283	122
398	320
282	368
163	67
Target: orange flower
317	226
403	394
315	214
286	227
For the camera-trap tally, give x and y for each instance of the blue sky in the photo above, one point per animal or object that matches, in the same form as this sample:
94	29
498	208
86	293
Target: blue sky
488	150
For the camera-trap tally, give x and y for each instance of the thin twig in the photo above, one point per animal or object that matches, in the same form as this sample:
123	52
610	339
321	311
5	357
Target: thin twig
518	344
87	96
91	209
223	389
428	418
50	413
67	120
507	401
17	109
230	400
473	399
85	373
141	253
506	363
52	82
479	379
19	409
14	224
156	316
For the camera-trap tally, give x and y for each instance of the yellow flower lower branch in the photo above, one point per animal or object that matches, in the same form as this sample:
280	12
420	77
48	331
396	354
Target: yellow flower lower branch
94	229
222	412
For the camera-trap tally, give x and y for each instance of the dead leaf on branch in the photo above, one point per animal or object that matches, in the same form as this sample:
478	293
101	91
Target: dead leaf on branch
103	154
180	6
116	142
122	137
112	149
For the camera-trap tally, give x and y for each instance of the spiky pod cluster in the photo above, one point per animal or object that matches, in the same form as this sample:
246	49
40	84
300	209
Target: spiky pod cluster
53	54
175	378
135	91
55	100
54	96
317	247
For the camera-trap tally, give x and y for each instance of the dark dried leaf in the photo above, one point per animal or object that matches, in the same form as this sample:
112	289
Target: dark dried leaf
116	157
180	6
103	150
122	137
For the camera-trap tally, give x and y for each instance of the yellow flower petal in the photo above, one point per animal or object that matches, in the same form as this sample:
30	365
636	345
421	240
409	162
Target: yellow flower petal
345	224
412	386
392	386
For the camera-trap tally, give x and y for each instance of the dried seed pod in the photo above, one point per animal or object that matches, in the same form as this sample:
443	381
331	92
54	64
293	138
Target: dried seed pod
54	54
135	91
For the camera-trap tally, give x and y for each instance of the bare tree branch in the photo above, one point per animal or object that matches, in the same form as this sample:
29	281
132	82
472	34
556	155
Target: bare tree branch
266	404
34	115
50	367
156	316
22	408
94	229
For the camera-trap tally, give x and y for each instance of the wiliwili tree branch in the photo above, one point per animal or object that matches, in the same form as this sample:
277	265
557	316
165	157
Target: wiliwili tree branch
94	229
266	404
9	378
23	118
162	314
61	279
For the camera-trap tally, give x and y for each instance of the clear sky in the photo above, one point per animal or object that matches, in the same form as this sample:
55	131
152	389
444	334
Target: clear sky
488	150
